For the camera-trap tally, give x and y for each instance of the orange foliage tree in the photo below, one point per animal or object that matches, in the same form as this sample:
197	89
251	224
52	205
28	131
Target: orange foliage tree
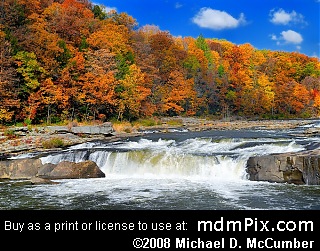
69	59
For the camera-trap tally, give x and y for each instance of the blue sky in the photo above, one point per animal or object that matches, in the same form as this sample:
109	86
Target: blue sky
284	25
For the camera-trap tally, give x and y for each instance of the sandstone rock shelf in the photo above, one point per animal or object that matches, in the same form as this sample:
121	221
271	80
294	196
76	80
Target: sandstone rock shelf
297	168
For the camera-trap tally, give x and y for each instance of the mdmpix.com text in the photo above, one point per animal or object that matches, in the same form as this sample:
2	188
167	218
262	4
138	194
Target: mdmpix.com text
249	224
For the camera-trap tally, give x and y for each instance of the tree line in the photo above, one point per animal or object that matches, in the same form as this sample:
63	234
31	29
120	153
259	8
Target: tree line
72	60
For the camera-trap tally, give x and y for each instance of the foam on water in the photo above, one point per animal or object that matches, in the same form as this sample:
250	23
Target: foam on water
187	172
194	159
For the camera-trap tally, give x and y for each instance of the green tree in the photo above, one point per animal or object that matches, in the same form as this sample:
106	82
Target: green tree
29	69
202	44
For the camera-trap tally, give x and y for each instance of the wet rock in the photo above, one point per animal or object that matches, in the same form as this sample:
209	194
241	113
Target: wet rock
32	167
38	181
19	168
71	170
297	168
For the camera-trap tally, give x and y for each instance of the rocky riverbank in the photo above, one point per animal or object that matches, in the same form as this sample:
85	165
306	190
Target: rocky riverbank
297	168
41	138
33	139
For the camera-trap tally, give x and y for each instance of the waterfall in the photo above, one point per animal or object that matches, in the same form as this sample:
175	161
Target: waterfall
196	158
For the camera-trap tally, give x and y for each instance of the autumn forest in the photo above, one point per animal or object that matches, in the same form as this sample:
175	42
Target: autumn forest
72	60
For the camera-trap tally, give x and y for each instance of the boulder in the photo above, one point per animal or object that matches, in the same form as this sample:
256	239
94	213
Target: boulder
30	168
38	181
105	129
19	168
71	170
297	168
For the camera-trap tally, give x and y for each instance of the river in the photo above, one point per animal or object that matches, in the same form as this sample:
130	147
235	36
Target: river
179	170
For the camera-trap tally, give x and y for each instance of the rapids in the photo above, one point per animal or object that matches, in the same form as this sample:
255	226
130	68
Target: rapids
177	170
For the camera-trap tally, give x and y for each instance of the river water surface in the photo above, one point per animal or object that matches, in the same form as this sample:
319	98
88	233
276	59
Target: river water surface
179	170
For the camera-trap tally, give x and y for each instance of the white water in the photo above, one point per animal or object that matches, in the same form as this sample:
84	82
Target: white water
173	171
196	158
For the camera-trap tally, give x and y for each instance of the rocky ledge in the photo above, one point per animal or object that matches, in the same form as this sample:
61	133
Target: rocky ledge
28	140
297	168
31	139
302	168
32	169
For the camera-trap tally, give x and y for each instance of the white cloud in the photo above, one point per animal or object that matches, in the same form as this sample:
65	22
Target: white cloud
108	9
291	37
273	37
178	5
216	19
288	37
282	17
105	8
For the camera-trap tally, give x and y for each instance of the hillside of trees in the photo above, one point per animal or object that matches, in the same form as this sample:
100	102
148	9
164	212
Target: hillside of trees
71	60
